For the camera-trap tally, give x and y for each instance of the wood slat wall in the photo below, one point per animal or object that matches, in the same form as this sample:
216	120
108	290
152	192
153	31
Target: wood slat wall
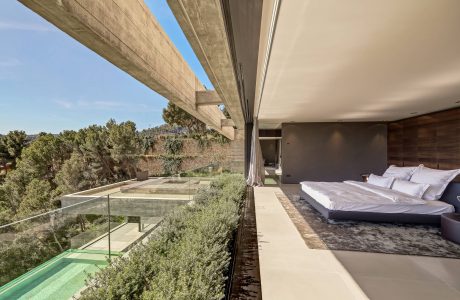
432	140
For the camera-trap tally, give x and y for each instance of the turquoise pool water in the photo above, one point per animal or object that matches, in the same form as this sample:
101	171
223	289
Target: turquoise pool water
57	279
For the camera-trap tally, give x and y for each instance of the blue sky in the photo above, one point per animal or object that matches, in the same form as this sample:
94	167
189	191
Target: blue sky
50	82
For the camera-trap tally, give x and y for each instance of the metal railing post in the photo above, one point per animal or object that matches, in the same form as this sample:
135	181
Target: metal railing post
108	214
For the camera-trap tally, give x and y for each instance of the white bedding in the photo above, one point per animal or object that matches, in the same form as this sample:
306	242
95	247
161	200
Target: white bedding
360	196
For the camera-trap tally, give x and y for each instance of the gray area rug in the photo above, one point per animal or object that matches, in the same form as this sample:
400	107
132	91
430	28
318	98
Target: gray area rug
387	238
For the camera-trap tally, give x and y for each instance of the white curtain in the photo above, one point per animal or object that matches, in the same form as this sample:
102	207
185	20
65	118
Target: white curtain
256	174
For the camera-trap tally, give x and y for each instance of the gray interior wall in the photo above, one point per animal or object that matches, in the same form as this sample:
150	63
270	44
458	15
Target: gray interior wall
332	151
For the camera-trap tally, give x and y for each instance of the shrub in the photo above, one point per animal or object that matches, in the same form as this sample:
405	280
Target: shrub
171	164
172	161
173	145
187	258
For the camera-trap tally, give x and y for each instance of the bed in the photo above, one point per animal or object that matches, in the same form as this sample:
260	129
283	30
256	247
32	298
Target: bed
359	201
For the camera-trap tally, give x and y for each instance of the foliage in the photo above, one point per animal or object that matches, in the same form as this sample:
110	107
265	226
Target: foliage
44	157
74	175
147	142
225	112
37	167
11	145
202	140
40	240
173	145
161	130
103	154
187	258
219	138
29	250
37	198
52	165
172	161
124	146
171	164
176	116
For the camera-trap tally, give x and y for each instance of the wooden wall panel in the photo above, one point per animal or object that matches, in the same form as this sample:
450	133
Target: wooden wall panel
432	140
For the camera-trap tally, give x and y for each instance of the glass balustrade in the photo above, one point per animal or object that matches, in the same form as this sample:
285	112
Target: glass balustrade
51	254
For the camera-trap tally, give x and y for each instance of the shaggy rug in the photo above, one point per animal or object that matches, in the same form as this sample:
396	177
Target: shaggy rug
364	236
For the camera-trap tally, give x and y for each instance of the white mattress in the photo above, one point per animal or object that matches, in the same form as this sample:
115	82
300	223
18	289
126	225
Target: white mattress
358	196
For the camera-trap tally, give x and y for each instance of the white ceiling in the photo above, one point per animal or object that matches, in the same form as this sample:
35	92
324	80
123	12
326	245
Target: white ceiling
361	60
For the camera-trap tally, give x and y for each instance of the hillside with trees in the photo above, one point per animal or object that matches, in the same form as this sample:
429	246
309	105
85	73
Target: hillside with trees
36	171
52	165
47	166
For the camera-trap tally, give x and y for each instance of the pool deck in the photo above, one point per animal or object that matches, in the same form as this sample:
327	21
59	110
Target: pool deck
121	238
290	270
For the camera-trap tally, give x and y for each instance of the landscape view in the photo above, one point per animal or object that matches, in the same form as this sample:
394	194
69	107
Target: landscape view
95	167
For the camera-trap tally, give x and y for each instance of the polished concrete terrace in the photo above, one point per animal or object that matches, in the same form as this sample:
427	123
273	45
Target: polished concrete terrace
150	198
121	238
289	269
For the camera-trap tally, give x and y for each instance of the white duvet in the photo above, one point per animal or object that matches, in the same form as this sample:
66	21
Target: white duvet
360	196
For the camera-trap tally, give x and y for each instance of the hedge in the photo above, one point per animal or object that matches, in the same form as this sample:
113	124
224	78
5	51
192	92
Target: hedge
187	258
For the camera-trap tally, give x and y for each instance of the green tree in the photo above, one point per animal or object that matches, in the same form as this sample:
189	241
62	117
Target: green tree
93	146
13	189
11	145
38	197
41	160
45	157
71	161
176	116
5	207
124	147
75	175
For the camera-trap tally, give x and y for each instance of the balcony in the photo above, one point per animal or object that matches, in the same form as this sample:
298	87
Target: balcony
51	255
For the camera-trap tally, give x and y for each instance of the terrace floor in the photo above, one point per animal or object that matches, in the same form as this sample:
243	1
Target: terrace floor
121	238
291	270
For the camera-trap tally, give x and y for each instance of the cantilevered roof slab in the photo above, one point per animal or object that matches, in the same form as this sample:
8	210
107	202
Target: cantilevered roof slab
336	60
126	33
225	37
204	26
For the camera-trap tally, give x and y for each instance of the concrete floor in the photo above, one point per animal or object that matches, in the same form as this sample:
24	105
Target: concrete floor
120	239
290	270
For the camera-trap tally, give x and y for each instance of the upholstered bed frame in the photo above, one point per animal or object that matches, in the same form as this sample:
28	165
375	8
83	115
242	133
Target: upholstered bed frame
450	196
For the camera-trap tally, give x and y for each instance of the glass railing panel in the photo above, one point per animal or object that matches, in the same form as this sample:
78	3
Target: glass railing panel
30	244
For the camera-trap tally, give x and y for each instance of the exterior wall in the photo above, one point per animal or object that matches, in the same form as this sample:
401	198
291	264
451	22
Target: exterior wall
237	152
332	151
230	156
432	140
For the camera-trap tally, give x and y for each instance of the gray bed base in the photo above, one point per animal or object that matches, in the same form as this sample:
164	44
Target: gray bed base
449	196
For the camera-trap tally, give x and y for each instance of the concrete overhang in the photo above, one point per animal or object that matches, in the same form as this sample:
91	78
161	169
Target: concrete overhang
204	98
204	25
127	34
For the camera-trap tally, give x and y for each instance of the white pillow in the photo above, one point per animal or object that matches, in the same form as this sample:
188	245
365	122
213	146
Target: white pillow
410	188
385	182
437	179
403	173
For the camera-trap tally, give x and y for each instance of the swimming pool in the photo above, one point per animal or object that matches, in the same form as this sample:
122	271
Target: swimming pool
58	278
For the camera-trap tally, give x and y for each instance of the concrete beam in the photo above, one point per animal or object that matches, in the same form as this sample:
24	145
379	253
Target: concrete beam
126	33
204	26
227	122
207	98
